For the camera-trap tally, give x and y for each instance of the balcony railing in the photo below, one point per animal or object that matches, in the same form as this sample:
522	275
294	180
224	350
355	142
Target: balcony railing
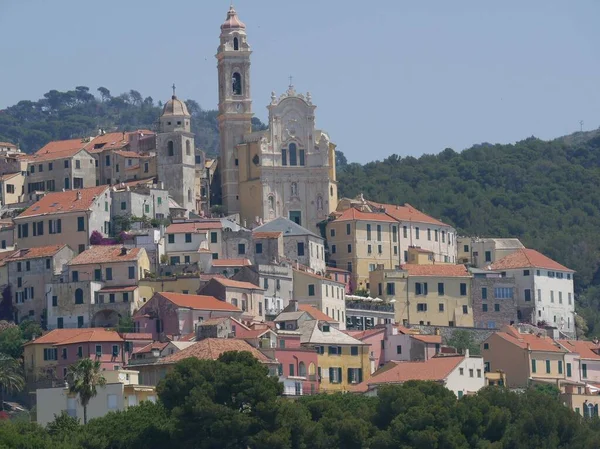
374	306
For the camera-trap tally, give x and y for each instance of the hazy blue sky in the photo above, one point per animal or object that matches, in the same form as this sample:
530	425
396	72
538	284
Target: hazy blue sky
388	76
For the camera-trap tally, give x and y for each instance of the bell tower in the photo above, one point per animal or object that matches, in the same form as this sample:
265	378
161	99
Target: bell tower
235	103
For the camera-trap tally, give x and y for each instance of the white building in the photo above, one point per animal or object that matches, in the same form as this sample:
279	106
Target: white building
545	289
482	252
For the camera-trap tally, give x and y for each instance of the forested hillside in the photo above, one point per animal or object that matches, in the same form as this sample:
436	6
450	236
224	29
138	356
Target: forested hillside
79	113
545	193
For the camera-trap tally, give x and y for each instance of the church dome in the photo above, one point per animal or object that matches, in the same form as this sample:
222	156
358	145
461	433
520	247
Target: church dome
232	21
175	107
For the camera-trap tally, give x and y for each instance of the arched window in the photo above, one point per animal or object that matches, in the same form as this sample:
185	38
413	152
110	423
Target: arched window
170	147
311	369
236	44
319	202
302	369
271	202
79	296
188	150
237	83
293	159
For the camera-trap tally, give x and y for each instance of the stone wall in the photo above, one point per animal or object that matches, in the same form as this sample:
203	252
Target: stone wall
507	307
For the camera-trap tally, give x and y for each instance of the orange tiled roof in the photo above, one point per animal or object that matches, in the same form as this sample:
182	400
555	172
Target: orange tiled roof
42	157
212	348
434	369
236	284
94	335
407	213
542	343
64	202
231	263
315	313
528	258
125	288
34	253
137	335
8	176
440	270
352	213
190	227
197	302
584	348
129	154
360	335
266	235
58	146
106	254
318	276
428	338
55	336
149	347
337	270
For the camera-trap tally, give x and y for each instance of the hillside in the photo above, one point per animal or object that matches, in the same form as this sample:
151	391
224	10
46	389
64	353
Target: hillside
545	193
78	113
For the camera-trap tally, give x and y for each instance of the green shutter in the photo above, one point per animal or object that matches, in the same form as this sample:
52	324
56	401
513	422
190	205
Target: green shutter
349	374
533	367
560	368
330	375
340	373
568	370
360	378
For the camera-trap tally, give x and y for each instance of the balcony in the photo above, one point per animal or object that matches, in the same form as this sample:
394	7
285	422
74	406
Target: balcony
372	306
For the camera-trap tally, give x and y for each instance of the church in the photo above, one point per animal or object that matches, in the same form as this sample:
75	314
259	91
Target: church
287	170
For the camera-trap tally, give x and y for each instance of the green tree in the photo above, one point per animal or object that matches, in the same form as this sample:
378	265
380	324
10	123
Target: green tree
84	379
11	377
11	341
463	339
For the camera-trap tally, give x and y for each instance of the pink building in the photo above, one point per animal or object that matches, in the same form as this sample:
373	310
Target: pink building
177	314
342	276
374	337
102	345
297	365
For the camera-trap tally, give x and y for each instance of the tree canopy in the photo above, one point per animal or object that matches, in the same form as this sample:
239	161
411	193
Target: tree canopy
232	403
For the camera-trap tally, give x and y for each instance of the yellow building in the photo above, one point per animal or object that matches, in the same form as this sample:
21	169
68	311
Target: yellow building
179	283
436	295
122	390
362	234
343	361
12	188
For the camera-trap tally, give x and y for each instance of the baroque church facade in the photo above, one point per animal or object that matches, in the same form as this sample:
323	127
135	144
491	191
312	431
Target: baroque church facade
287	170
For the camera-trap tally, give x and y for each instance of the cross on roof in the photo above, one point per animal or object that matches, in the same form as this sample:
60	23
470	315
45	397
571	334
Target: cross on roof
173	86
291	79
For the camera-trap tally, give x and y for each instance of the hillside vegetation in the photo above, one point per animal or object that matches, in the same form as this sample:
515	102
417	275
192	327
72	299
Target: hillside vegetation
545	193
79	113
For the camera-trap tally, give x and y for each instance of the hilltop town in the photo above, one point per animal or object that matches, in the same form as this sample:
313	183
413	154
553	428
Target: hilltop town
138	251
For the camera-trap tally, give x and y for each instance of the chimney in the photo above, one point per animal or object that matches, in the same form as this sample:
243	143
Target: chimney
294	304
123	251
467	354
155	353
79	195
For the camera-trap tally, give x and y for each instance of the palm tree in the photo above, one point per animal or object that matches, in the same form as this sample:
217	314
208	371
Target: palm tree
84	376
11	377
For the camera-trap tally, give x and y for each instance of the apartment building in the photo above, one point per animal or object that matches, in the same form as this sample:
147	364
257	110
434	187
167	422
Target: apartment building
58	170
12	188
69	216
277	282
29	270
244	295
139	201
99	287
494	299
544	289
362	234
481	252
185	241
321	292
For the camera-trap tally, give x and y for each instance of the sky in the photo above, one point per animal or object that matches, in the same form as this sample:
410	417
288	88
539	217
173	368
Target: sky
388	77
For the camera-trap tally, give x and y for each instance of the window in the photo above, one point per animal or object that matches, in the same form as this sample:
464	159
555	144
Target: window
335	375
50	353
560	297
471	372
59	324
311	290
258	248
465	310
569	298
461	371
333	249
503	292
421	307
551	296
78	296
463	289
236	83
533	366
369	249
80	224
213	237
171	238
483	292
394	234
284	156
547	366
300	248
368	231
379	233
131	272
75	276
488	256
353	350
109	274
441	288
560	367
348	229
55	301
292	151
390	288
527	294
334	350
170	149
188	237
349	267
569	370
417	233
332	232
496	307
349	249
354	375
584	370
399	349
486	346
441	307
484	307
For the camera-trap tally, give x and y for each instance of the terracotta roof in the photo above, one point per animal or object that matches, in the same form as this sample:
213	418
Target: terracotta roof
542	343
4	255
527	258
188	337
106	254
42	157
337	270
440	270
407	213
91	336
318	276
212	348
232	20
190	227
136	336
251	333
8	176
56	336
58	146
231	263
266	235
64	202
434	369
129	154
584	348
360	335
197	302
149	347
108	141
236	284
125	288
428	338
419	250
34	253
315	313
352	213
